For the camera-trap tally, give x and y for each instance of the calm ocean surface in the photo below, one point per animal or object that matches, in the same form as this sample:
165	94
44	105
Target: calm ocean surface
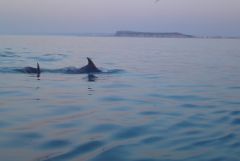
165	100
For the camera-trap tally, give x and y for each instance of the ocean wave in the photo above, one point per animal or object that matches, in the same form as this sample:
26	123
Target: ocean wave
8	54
49	57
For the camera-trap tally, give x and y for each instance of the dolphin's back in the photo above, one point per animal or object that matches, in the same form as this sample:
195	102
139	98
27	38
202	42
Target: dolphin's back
31	69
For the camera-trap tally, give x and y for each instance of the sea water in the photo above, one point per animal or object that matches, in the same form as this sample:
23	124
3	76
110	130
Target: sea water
168	99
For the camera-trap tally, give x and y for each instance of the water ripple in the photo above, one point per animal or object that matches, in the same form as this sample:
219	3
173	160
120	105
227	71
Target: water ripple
29	135
80	150
49	57
209	142
234	87
187	97
53	144
236	145
9	54
150	113
113	99
236	121
194	106
152	140
131	132
231	102
235	113
181	97
22	139
104	128
118	153
4	124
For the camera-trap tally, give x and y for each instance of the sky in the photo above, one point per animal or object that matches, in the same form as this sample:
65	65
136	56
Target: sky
197	17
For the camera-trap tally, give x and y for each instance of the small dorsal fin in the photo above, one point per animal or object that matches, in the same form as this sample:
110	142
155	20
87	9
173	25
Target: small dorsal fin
90	62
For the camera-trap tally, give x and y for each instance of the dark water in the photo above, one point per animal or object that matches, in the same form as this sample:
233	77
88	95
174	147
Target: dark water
166	100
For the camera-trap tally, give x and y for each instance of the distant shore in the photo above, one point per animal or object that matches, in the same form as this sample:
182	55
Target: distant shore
152	34
133	34
167	35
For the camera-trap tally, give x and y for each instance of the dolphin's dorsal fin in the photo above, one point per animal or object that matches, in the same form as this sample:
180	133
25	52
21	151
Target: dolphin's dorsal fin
38	69
90	63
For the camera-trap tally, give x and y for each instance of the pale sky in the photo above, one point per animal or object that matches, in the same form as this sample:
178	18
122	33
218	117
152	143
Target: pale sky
197	17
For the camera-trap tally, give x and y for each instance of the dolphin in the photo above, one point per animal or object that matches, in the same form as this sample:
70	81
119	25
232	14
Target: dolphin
90	68
31	70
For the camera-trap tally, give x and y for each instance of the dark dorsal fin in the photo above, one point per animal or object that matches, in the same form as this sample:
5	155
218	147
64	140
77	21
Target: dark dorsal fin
90	63
38	69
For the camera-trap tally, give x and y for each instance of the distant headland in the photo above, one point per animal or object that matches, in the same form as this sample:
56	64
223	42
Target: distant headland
152	34
140	34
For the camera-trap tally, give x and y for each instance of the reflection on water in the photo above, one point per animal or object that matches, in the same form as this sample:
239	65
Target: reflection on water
181	103
92	78
90	90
